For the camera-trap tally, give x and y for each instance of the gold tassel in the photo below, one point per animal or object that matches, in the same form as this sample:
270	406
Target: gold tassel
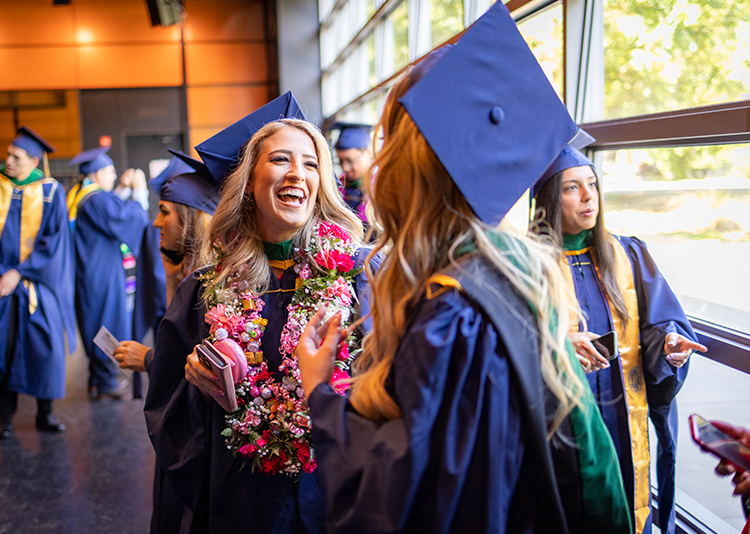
45	161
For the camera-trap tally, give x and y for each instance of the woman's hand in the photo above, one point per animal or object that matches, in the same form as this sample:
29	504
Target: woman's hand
130	355
582	344
678	349
317	349
204	379
8	282
741	480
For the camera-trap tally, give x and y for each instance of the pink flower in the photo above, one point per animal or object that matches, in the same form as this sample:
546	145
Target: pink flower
334	259
344	354
248	450
336	381
305	274
340	288
326	229
217	317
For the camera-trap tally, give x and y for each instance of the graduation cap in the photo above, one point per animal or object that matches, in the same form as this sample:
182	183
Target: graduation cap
92	160
489	113
187	181
569	157
221	152
352	135
33	143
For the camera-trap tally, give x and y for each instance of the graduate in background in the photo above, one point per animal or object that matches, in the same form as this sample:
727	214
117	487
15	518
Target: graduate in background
106	232
354	153
620	288
188	196
36	281
470	411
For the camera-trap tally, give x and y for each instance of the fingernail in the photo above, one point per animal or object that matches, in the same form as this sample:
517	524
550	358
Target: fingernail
218	393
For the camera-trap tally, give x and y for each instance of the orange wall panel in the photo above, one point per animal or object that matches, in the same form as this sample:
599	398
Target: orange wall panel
227	63
224	20
35	24
223	105
130	66
124	21
37	68
198	135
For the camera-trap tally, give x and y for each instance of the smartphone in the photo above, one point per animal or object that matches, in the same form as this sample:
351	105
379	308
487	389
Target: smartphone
210	357
711	439
606	345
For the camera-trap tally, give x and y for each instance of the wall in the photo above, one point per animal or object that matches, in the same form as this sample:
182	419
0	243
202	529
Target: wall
99	44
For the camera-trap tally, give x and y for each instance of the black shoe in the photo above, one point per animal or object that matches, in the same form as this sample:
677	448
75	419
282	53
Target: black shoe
49	423
6	430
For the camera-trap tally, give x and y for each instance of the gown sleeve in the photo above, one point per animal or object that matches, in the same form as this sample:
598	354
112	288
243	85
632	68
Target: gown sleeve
176	414
123	221
427	470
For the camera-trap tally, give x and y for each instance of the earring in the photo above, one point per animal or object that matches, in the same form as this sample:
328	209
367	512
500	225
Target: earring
250	200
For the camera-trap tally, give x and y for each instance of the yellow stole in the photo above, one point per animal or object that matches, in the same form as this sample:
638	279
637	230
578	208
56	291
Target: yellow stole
32	209
76	196
630	356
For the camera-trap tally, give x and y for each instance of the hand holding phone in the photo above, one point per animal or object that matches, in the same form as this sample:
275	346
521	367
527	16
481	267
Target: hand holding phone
606	345
710	439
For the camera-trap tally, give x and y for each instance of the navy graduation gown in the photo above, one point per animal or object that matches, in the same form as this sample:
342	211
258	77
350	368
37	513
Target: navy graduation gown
185	429
151	286
44	294
103	223
659	313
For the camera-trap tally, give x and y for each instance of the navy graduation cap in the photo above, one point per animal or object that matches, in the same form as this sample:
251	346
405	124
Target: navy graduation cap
187	181
570	156
33	143
93	160
500	123
352	135
221	152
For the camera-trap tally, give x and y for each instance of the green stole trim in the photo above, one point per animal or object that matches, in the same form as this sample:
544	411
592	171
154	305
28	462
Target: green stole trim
578	241
278	251
35	175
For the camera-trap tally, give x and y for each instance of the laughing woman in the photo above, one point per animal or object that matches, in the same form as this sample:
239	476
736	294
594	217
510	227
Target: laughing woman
282	242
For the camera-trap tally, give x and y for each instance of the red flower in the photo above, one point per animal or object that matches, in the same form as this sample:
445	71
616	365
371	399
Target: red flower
248	450
336	381
344	354
334	259
274	463
305	456
332	230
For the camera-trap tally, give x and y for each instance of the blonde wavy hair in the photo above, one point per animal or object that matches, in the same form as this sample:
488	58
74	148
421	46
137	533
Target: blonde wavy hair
424	219
234	237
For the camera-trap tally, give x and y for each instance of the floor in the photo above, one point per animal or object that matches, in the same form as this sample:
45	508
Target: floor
94	478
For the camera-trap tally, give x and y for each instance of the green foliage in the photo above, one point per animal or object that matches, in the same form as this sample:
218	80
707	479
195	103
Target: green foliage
673	54
447	19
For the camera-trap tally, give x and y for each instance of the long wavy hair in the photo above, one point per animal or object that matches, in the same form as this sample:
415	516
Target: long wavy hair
547	220
424	219
234	237
194	224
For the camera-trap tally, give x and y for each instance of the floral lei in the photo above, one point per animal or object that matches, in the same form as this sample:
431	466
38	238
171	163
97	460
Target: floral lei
272	427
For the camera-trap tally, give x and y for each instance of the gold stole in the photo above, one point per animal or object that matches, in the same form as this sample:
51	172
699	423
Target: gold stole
632	370
32	209
76	196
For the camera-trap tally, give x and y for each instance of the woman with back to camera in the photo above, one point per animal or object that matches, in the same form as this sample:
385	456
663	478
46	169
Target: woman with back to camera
469	412
282	241
619	287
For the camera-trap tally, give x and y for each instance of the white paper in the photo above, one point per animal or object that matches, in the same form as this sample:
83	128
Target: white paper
108	343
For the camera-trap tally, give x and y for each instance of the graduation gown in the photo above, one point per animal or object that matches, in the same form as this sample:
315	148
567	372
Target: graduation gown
640	383
151	286
34	241
185	429
470	452
101	222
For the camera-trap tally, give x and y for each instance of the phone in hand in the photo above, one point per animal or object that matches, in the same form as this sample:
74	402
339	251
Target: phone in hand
711	439
606	345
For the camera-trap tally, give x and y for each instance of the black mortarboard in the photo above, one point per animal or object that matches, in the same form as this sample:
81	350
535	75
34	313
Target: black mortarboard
187	181
352	135
221	152
489	113
33	143
92	160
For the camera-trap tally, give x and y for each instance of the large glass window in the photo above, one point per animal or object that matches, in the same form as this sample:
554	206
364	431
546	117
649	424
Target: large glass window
692	206
674	54
543	33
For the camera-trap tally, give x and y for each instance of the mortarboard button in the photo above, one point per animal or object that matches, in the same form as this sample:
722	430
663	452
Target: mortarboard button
497	115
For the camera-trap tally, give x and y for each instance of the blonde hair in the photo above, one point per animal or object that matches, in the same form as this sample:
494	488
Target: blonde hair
234	237
424	219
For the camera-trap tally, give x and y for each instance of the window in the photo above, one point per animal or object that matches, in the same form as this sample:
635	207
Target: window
543	33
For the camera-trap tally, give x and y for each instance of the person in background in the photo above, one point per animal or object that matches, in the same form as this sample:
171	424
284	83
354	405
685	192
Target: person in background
36	276
107	233
354	153
619	287
188	198
469	411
